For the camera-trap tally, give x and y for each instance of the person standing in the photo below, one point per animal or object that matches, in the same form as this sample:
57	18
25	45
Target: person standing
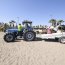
20	30
48	30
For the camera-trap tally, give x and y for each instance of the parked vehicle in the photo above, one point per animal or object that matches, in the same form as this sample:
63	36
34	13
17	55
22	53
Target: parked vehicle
27	33
59	36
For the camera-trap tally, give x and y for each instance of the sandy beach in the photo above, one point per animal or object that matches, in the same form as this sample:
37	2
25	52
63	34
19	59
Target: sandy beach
40	52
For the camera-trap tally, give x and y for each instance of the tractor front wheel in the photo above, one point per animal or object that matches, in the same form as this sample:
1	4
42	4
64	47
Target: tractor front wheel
9	37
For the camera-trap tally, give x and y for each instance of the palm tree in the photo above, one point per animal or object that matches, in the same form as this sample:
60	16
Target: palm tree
33	26
53	22
1	26
40	26
60	22
6	26
37	26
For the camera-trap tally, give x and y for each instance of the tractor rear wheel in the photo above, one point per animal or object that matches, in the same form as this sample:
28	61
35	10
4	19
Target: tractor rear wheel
29	36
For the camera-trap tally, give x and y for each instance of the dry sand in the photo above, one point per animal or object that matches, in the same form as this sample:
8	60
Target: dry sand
31	53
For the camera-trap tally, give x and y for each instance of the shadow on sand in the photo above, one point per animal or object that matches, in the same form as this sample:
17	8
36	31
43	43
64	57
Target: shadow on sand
18	40
47	40
38	39
51	40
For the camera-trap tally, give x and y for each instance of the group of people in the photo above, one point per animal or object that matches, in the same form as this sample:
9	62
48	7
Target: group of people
53	30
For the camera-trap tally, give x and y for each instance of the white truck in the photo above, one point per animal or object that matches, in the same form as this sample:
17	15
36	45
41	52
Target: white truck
57	36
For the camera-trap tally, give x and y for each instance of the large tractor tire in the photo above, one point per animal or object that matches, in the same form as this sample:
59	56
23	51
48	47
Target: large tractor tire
9	37
29	36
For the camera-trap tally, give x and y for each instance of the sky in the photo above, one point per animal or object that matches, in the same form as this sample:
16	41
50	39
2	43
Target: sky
38	11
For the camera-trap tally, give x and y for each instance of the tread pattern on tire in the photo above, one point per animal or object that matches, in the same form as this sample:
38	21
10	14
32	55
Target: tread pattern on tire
9	34
60	39
26	38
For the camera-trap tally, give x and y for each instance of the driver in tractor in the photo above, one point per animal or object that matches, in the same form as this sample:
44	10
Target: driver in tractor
20	27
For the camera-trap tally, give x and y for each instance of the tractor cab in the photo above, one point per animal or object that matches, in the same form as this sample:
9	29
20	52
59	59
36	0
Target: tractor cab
27	26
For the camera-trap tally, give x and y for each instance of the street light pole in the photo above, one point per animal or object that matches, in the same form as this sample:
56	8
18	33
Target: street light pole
18	19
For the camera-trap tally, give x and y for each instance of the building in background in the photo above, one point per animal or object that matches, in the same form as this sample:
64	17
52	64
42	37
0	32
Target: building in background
12	24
